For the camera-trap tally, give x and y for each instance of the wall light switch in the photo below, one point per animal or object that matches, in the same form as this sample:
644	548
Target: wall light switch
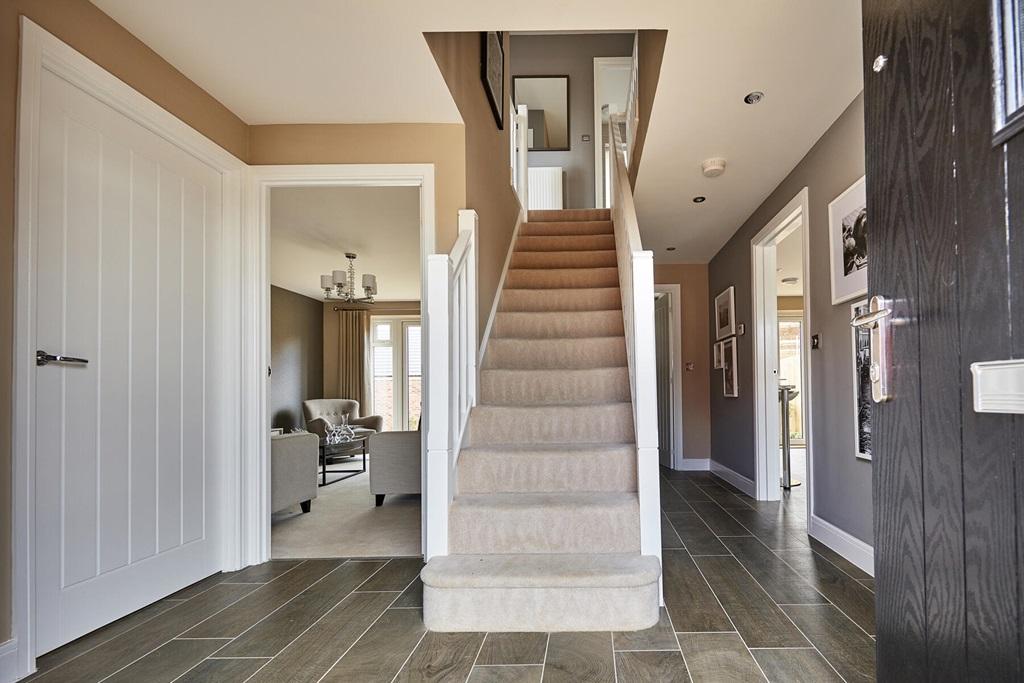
690	366
815	342
586	138
998	386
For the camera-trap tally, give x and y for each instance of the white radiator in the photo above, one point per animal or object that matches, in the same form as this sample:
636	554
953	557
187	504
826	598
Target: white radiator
545	191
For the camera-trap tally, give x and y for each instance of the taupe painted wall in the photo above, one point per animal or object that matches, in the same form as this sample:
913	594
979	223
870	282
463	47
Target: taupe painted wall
488	187
842	483
650	51
692	279
441	144
296	355
557	55
97	36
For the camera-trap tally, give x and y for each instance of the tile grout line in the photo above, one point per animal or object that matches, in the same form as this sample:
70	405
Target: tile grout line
411	653
477	658
615	665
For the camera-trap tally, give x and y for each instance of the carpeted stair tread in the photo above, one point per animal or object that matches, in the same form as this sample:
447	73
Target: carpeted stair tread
532	300
561	278
554	387
555	354
541	571
557	324
594	423
564	259
539	215
523	468
593	522
567	228
565	243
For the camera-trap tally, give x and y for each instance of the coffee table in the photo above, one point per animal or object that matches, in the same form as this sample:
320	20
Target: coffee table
348	449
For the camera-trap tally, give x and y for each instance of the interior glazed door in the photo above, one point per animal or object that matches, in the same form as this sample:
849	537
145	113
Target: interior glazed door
124	451
946	208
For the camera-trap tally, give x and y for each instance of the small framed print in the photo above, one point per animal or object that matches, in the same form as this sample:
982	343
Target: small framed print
718	355
730	374
861	384
725	314
848	243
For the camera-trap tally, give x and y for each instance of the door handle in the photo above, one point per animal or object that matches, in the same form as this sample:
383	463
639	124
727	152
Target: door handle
44	358
879	320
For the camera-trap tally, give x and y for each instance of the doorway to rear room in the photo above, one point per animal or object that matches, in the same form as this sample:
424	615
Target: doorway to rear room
345	246
779	257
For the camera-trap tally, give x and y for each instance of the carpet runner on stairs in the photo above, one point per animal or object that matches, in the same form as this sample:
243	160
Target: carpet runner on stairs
544	529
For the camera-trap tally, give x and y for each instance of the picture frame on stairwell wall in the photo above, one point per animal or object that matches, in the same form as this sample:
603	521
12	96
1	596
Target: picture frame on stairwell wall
717	365
492	72
730	369
725	313
848	243
861	362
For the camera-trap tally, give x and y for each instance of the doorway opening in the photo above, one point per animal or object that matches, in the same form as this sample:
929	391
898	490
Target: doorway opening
779	257
668	353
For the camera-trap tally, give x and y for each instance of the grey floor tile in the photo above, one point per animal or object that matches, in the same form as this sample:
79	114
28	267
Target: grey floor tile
838	560
507	674
411	596
697	537
795	666
263	573
690	601
168	661
223	671
650	667
778	531
380	653
719	520
574	657
658	637
671	501
442	657
841	642
849	595
395	576
513	648
669	537
778	579
718	658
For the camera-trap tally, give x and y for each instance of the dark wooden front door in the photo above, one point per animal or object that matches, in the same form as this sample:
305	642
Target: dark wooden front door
946	214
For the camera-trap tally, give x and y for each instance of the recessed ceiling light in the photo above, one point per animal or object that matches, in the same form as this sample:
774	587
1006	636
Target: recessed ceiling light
670	248
754	97
699	199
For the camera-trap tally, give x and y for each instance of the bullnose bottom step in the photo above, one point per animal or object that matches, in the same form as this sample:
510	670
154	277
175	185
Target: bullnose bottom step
564	592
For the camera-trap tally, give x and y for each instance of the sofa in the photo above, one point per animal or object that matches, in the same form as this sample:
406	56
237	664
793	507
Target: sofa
395	464
293	470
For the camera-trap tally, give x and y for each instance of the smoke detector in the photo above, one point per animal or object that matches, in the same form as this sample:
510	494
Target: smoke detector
712	168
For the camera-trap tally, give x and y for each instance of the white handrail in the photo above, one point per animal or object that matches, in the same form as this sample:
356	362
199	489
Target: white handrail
633	101
520	159
451	373
636	281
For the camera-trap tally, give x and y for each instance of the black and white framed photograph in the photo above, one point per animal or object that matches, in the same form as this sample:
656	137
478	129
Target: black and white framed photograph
861	383
725	314
730	376
492	73
848	243
718	355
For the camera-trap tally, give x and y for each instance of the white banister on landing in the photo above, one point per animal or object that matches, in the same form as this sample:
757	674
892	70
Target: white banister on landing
451	373
636	280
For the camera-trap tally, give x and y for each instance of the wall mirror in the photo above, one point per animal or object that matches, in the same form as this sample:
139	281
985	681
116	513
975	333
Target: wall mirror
547	99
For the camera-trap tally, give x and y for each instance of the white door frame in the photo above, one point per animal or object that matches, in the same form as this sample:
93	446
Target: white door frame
766	346
41	51
601	63
674	294
255	312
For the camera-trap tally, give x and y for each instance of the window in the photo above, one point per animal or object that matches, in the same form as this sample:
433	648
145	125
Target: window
1008	39
396	368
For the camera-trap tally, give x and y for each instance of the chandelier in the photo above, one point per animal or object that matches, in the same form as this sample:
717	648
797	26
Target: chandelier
340	285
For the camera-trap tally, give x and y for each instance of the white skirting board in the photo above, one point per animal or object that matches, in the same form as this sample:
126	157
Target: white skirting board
735	478
545	187
853	549
696	464
9	661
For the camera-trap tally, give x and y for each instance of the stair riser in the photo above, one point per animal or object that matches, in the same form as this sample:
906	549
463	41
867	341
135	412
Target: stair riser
566	278
565	243
569	215
554	424
552	387
555	354
564	259
540	609
566	228
489	471
559	325
538	300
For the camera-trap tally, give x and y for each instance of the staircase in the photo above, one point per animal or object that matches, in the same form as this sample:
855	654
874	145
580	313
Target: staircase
544	529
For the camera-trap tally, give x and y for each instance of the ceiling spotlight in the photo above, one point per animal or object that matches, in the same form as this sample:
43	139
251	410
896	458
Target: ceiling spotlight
670	248
754	97
699	199
790	280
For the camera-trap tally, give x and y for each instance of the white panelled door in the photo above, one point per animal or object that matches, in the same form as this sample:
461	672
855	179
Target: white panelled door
125	263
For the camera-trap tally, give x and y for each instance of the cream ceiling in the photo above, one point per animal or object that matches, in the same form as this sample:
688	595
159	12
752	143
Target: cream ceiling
366	61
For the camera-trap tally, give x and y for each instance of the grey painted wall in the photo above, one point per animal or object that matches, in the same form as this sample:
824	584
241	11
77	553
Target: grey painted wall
556	55
296	355
842	483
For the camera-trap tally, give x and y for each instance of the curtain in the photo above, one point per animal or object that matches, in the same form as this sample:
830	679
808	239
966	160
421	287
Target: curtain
354	358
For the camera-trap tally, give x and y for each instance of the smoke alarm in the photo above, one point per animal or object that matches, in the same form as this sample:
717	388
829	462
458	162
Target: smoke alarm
712	168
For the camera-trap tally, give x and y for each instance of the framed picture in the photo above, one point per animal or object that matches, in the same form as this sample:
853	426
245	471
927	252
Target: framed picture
718	355
730	376
725	314
848	243
492	73
861	384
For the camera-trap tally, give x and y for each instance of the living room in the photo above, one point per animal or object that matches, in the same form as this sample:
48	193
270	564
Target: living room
345	370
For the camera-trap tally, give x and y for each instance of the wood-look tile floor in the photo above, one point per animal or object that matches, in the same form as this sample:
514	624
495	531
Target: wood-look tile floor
748	597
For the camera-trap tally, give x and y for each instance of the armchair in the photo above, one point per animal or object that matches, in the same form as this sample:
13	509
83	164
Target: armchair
395	464
293	470
320	411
